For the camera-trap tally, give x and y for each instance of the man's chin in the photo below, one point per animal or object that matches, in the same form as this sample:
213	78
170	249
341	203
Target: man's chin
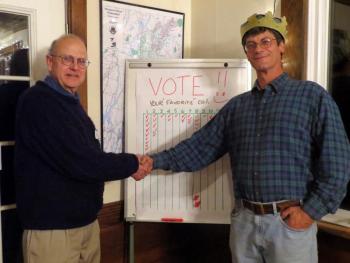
72	88
260	68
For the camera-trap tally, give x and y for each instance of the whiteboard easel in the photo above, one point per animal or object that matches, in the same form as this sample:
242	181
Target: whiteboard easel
166	101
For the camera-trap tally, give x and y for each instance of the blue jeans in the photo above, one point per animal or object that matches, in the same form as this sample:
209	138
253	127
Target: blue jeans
268	239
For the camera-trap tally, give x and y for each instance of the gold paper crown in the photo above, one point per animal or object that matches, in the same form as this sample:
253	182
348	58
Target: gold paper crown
265	20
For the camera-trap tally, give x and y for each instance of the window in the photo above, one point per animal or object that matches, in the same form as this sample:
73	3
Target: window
13	39
14	67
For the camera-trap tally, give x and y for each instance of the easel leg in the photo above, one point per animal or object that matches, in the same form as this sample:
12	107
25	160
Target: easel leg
131	243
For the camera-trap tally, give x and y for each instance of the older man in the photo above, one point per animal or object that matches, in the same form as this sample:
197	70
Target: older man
289	154
60	168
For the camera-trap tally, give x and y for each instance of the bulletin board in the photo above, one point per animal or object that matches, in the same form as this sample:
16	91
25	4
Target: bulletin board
166	102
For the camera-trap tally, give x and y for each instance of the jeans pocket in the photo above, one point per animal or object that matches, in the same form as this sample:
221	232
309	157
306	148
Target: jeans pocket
289	228
236	210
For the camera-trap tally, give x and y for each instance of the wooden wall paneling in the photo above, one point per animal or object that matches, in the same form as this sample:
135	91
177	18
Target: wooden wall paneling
113	233
173	243
332	248
295	56
161	242
77	24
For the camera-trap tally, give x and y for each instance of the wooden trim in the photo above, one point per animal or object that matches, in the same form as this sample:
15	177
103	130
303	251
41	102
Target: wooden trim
296	45
337	230
77	24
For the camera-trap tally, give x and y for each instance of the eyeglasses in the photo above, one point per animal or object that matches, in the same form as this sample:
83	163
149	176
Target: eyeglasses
68	60
265	43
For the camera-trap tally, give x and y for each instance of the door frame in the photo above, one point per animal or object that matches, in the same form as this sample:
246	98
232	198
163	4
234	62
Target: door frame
77	24
318	41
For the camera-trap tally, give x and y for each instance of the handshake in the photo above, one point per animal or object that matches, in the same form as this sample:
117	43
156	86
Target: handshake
145	167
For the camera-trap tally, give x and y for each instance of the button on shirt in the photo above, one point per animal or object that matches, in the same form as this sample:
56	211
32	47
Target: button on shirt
286	141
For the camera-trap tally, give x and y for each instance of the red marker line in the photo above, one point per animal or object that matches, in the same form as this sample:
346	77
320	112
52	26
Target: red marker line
167	219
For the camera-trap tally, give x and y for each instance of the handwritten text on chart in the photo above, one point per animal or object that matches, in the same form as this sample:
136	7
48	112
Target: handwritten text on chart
186	90
155	124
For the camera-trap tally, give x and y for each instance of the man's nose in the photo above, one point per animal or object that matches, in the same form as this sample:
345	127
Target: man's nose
74	64
258	47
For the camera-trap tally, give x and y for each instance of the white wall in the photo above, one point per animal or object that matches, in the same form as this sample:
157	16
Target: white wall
211	31
216	26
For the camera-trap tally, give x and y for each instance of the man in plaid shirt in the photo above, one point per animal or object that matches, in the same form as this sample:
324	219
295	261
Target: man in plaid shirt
289	154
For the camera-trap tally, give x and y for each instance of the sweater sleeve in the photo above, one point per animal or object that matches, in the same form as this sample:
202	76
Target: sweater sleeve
66	142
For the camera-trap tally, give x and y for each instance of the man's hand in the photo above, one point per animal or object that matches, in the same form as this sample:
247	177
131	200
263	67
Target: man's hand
296	217
146	162
145	167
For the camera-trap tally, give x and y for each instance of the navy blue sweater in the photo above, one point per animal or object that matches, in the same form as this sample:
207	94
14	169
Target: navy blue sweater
60	168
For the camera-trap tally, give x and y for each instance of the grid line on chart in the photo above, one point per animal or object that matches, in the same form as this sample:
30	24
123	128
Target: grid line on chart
178	123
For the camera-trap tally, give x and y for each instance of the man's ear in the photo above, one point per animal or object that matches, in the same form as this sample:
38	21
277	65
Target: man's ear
49	62
282	47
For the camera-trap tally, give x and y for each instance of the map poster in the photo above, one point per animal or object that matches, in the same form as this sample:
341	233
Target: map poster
131	31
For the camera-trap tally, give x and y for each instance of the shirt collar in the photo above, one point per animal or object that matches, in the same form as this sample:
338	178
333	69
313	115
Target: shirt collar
54	84
276	85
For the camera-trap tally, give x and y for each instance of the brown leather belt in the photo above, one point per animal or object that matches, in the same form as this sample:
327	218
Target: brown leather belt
267	208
